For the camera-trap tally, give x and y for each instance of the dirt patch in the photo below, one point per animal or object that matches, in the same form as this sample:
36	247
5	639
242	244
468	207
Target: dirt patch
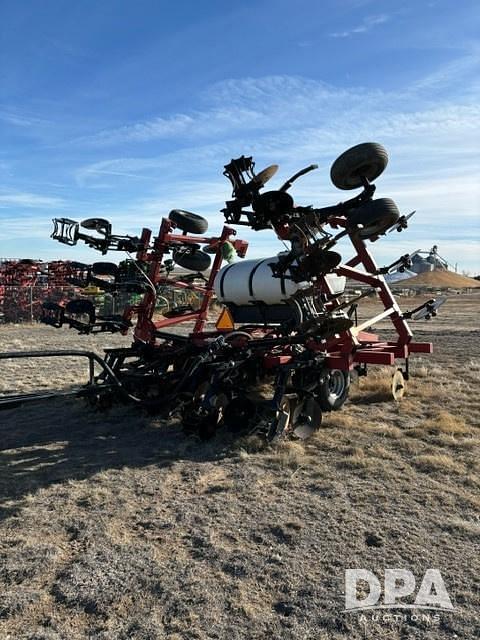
439	278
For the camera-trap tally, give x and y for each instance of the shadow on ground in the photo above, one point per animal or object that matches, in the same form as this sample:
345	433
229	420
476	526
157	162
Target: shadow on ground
51	442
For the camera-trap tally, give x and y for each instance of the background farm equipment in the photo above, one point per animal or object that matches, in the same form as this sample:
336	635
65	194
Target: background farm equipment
287	340
25	284
21	290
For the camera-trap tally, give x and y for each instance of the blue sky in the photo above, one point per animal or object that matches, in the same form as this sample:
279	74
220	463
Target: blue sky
125	110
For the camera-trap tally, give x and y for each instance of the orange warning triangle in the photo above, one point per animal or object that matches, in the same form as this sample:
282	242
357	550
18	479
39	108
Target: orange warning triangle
225	321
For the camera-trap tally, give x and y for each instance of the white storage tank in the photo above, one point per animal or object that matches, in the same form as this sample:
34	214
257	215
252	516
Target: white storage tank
252	281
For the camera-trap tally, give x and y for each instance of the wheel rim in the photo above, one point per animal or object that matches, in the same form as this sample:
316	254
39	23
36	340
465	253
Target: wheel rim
398	385
376	228
336	383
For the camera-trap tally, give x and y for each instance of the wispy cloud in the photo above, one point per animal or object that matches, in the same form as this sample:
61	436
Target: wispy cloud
433	146
284	104
454	72
367	24
301	121
19	118
198	124
29	200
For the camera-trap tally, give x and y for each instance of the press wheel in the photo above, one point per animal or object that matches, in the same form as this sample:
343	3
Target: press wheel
398	385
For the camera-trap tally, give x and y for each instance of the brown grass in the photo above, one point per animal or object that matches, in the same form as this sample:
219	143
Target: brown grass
166	536
438	462
442	422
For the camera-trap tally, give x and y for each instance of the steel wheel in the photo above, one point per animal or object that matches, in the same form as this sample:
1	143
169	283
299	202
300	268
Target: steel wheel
398	385
333	391
265	175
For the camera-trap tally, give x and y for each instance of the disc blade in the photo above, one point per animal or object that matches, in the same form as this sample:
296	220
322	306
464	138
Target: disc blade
308	419
265	175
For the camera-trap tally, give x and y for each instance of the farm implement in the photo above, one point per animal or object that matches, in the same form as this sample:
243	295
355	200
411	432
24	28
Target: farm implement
25	284
288	339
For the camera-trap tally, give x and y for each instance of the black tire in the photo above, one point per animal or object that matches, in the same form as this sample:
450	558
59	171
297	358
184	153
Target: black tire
187	221
51	306
104	269
211	250
52	314
320	261
273	204
95	224
368	160
192	260
375	217
101	283
333	392
81	307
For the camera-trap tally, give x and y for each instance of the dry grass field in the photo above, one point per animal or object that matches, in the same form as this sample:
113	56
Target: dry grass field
116	526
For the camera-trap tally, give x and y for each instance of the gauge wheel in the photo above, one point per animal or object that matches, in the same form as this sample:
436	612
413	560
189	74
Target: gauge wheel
104	269
238	414
375	218
366	160
188	221
214	420
193	260
398	385
333	392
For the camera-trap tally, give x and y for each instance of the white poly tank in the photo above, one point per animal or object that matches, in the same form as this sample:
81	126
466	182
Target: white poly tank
252	281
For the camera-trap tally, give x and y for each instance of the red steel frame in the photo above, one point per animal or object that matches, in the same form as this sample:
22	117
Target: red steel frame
343	351
357	346
146	327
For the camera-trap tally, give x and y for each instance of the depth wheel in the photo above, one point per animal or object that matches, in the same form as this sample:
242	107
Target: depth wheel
210	424
376	217
193	260
188	222
366	160
398	385
333	392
